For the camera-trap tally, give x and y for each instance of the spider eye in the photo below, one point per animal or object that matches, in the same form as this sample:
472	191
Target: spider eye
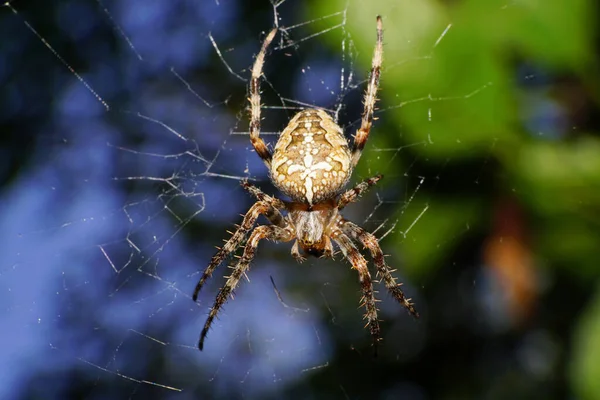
308	241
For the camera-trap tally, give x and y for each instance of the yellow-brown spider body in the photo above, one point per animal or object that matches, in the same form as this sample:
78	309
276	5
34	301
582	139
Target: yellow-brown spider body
312	160
313	226
311	163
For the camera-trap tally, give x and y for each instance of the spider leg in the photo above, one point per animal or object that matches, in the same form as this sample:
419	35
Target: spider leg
269	232
259	208
328	251
370	242
370	97
351	195
296	253
368	300
262	196
257	70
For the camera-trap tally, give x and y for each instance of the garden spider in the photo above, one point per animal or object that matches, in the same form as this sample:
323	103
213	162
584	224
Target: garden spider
311	164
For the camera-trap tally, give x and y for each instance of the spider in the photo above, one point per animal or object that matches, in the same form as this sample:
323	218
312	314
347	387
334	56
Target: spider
311	164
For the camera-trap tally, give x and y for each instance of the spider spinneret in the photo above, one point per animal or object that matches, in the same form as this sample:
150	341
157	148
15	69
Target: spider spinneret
311	163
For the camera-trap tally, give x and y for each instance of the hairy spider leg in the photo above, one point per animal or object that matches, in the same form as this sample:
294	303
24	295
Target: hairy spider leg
370	242
257	70
370	97
352	195
368	300
262	196
259	208
269	232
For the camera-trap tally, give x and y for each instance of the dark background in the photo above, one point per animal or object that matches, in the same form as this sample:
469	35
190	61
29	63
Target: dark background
487	135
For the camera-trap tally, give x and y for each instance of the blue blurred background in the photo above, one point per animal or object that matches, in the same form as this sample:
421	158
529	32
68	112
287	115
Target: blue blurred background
123	140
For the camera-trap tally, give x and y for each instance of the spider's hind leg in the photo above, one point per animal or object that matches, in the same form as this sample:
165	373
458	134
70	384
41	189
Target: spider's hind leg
370	97
257	69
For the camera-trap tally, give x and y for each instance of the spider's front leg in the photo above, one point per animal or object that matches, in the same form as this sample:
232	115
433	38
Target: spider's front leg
269	232
259	208
370	242
368	300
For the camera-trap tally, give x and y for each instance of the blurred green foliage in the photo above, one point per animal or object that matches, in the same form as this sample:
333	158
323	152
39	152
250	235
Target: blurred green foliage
585	365
474	83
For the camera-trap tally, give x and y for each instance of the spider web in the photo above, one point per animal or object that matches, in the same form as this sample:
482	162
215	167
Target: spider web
132	179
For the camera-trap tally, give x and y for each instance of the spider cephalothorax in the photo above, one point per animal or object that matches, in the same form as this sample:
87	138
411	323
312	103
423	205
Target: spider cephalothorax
312	163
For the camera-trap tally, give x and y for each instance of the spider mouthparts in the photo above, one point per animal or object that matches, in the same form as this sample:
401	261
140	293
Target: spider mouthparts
316	252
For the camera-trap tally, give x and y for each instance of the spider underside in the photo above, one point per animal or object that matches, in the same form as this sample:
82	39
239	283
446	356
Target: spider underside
311	163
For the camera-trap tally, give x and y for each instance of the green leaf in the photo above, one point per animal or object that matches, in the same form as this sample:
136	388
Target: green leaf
585	363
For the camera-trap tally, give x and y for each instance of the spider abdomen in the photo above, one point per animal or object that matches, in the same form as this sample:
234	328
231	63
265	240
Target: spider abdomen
312	160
